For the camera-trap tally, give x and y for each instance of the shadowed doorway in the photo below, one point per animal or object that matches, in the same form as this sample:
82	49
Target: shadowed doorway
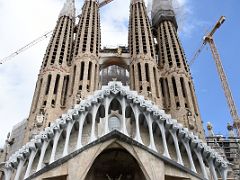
115	164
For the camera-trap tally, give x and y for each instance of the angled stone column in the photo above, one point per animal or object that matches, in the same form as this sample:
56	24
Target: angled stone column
55	143
163	133
124	127
8	172
94	113
173	132
68	133
152	142
19	168
185	138
202	165
136	114
212	169
43	150
30	162
106	107
81	123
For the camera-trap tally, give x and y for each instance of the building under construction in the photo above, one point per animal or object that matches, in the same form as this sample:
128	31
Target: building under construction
114	113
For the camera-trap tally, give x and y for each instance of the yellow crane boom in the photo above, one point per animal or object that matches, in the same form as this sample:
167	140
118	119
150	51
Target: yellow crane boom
209	39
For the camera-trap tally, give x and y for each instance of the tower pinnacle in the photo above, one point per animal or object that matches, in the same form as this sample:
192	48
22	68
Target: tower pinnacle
162	10
68	9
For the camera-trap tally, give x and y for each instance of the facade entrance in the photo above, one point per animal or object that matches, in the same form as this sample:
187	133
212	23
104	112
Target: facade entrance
115	164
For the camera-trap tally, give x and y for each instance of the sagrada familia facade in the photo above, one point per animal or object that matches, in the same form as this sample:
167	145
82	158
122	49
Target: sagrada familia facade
128	113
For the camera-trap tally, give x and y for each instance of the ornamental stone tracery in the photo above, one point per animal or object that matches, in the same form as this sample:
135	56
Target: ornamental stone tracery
208	159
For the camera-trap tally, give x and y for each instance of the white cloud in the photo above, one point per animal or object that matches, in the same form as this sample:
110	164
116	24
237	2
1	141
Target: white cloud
21	22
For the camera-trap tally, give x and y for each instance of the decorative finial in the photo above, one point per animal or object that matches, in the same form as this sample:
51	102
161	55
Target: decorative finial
230	130
68	9
210	129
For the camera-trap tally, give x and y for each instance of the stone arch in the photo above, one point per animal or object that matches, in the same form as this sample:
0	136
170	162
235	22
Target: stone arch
115	163
115	105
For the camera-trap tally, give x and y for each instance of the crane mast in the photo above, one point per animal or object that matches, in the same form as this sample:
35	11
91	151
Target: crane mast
233	111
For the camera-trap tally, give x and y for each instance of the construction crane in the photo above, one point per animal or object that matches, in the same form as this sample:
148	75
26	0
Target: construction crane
41	38
209	39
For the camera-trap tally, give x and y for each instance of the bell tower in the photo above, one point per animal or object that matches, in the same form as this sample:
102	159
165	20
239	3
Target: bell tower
178	94
50	97
143	66
85	67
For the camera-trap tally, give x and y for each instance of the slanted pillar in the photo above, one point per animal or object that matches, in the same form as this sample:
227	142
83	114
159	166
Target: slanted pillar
55	143
19	168
30	162
163	133
124	127
106	104
202	165
152	143
68	133
43	150
185	142
94	113
176	144
8	172
136	114
212	168
81	123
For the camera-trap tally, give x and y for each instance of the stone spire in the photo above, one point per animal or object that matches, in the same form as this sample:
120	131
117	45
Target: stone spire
68	9
143	68
50	97
162	10
85	67
178	94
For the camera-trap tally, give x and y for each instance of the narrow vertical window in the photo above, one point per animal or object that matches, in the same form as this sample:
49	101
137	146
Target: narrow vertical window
89	70
147	72
38	94
95	78
174	86
139	72
64	90
156	82
48	84
82	71
133	77
56	84
183	87
162	87
73	78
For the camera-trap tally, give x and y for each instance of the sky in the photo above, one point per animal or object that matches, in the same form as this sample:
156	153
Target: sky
25	20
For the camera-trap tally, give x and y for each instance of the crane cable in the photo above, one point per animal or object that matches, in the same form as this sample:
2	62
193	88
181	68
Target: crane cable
39	39
34	42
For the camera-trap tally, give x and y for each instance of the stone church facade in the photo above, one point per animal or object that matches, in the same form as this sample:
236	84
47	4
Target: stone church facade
127	113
